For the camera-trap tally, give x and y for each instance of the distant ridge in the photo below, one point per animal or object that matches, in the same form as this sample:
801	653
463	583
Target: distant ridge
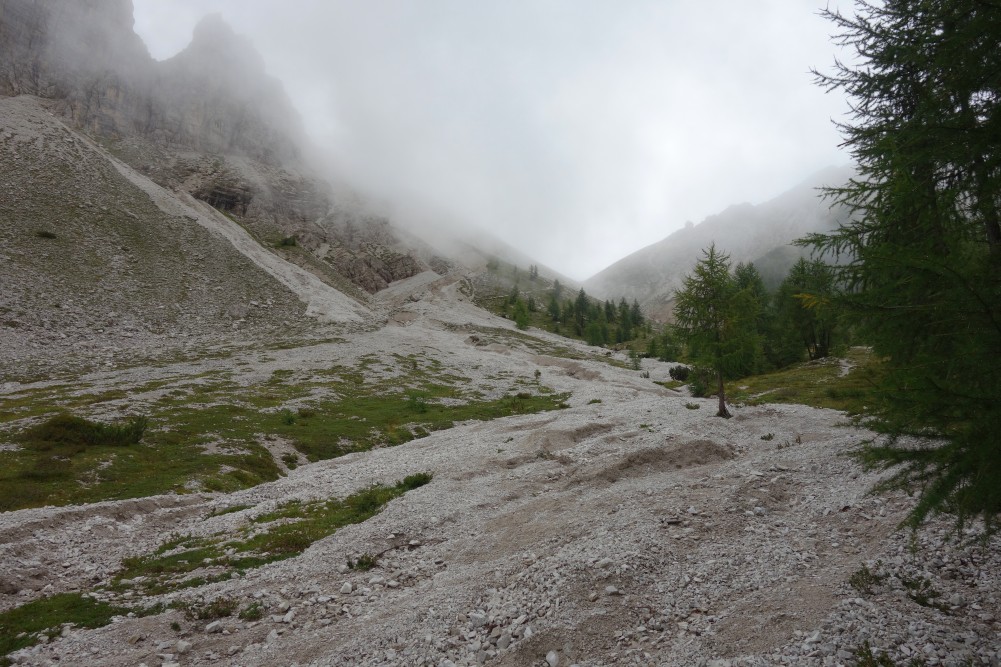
759	233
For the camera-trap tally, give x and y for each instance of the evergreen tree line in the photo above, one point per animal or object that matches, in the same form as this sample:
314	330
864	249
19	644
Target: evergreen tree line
727	319
599	323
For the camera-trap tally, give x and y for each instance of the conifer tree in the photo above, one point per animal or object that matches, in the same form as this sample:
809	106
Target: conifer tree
921	257
716	319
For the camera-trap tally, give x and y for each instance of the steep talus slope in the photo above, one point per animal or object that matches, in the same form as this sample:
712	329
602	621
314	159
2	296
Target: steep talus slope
749	233
95	272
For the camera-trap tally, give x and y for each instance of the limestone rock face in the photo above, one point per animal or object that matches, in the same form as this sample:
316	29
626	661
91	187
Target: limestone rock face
217	98
83	54
213	97
210	122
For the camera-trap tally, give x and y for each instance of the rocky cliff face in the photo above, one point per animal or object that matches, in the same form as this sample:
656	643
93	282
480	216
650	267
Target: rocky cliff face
213	97
209	121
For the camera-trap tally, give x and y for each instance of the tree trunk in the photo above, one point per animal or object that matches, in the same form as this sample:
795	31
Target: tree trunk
723	412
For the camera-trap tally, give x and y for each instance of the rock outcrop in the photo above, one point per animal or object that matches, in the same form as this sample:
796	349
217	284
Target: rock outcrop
209	122
213	97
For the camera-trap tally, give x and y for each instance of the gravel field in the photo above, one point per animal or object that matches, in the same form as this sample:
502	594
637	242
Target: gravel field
634	530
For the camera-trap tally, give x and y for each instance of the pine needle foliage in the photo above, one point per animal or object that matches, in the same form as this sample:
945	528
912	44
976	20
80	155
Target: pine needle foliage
921	257
717	320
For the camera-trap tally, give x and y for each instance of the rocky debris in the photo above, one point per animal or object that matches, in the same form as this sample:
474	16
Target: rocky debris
568	538
508	558
100	294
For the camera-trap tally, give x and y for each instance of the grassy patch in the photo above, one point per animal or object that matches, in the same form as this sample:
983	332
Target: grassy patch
24	625
208	432
287	531
68	434
364	419
670	384
232	509
58	473
819	384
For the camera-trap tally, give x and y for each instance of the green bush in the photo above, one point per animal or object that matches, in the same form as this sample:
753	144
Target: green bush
252	612
679	373
204	611
411	482
364	562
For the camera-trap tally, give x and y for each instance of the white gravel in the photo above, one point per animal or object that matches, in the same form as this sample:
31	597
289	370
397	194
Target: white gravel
627	531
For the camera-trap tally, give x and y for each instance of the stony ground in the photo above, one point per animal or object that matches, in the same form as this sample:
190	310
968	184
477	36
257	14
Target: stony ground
631	528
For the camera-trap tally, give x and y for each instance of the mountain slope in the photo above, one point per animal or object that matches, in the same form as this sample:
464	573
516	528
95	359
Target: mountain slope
100	268
759	233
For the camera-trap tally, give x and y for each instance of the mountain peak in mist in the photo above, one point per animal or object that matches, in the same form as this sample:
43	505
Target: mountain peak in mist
216	47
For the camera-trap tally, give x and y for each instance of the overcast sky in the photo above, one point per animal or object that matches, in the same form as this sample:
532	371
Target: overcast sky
576	130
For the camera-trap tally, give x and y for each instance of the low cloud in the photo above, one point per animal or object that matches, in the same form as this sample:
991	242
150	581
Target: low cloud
577	131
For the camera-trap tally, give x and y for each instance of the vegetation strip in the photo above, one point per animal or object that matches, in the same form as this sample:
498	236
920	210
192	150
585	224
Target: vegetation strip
186	562
291	528
211	433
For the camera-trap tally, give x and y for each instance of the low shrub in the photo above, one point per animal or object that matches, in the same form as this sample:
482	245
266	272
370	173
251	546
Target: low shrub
865	579
417	402
417	480
700	382
252	612
679	373
204	611
364	562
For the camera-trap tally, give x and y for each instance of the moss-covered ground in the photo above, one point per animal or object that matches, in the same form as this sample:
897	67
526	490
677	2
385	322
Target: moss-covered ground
847	384
212	432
